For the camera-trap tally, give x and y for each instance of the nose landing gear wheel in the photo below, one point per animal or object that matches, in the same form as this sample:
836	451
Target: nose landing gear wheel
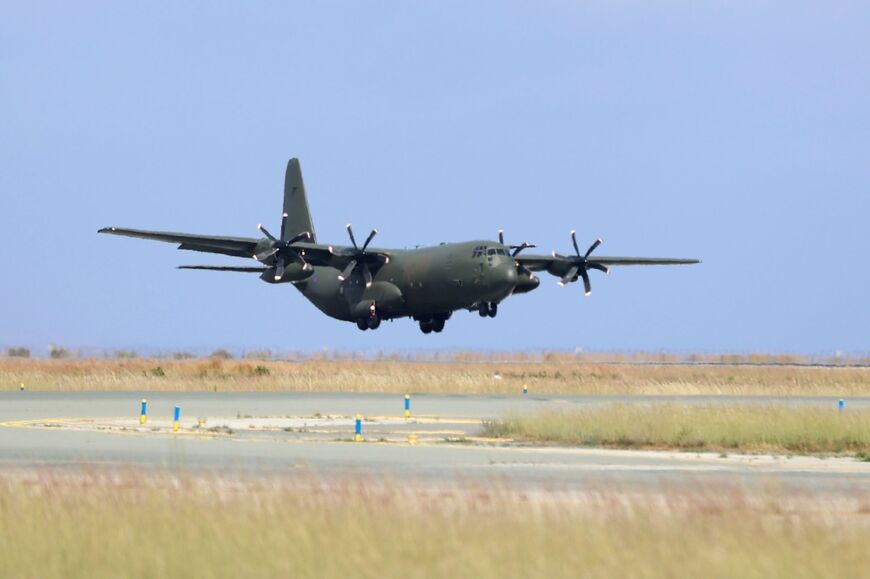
493	309
483	309
362	324
374	322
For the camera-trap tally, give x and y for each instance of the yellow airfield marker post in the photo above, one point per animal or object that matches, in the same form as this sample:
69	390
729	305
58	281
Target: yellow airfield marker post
143	412
357	437
407	406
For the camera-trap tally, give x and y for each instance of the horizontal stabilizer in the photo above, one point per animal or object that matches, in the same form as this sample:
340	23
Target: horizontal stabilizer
225	268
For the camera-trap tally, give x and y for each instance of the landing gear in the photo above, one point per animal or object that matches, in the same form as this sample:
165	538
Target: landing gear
370	323
434	323
438	324
487	309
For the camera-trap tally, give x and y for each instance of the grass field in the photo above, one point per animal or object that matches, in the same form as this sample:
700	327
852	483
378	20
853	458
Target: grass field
54	525
738	428
347	375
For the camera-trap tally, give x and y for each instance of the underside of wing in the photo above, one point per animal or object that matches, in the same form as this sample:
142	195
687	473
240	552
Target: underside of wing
641	261
235	246
225	268
543	262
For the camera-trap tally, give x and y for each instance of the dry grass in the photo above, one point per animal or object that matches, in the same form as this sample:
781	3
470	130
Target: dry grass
213	374
741	428
56	525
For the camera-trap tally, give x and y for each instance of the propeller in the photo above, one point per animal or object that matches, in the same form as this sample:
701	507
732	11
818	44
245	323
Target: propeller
580	265
282	250
521	269
360	257
516	248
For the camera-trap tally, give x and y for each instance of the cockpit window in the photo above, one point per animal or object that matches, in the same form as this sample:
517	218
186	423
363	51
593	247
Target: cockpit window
490	252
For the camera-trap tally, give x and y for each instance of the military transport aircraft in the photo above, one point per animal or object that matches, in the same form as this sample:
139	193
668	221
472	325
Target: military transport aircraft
365	285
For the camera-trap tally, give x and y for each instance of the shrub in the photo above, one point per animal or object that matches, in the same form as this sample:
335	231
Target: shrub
222	354
18	352
58	352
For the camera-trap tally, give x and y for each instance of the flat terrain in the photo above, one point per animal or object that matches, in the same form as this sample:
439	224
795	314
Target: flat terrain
297	433
135	523
564	375
264	478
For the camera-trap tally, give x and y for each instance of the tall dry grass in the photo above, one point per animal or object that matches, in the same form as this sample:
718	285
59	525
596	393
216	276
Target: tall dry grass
743	428
349	375
128	526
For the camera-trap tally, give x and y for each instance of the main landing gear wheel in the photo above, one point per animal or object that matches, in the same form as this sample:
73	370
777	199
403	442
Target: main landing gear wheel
374	322
438	324
487	309
362	324
426	326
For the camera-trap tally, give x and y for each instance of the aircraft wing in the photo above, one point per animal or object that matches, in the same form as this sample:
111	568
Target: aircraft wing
235	246
339	256
546	262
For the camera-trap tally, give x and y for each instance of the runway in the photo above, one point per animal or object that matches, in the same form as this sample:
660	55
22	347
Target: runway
302	433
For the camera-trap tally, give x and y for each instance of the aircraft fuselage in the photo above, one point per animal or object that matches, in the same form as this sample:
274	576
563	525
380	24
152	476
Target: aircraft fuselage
420	282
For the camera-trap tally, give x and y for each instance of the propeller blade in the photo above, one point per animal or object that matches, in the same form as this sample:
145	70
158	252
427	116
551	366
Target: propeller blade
574	241
519	248
266	254
569	277
367	275
347	270
299	259
284	217
300	237
501	236
369	239
352	238
265	232
279	269
592	247
599	267
587	286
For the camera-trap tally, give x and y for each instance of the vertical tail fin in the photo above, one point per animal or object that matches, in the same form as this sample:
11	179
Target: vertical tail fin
295	204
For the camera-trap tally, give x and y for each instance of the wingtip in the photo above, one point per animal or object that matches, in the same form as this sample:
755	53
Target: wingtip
106	230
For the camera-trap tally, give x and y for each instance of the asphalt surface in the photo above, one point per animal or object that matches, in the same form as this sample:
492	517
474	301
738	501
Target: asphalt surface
278	433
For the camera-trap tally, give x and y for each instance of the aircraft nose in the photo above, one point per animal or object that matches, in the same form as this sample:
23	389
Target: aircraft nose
506	275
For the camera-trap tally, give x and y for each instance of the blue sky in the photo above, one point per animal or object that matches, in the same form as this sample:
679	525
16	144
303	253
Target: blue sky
738	132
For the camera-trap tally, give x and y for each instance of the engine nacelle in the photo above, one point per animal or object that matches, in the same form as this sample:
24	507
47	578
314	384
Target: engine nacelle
292	272
526	283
